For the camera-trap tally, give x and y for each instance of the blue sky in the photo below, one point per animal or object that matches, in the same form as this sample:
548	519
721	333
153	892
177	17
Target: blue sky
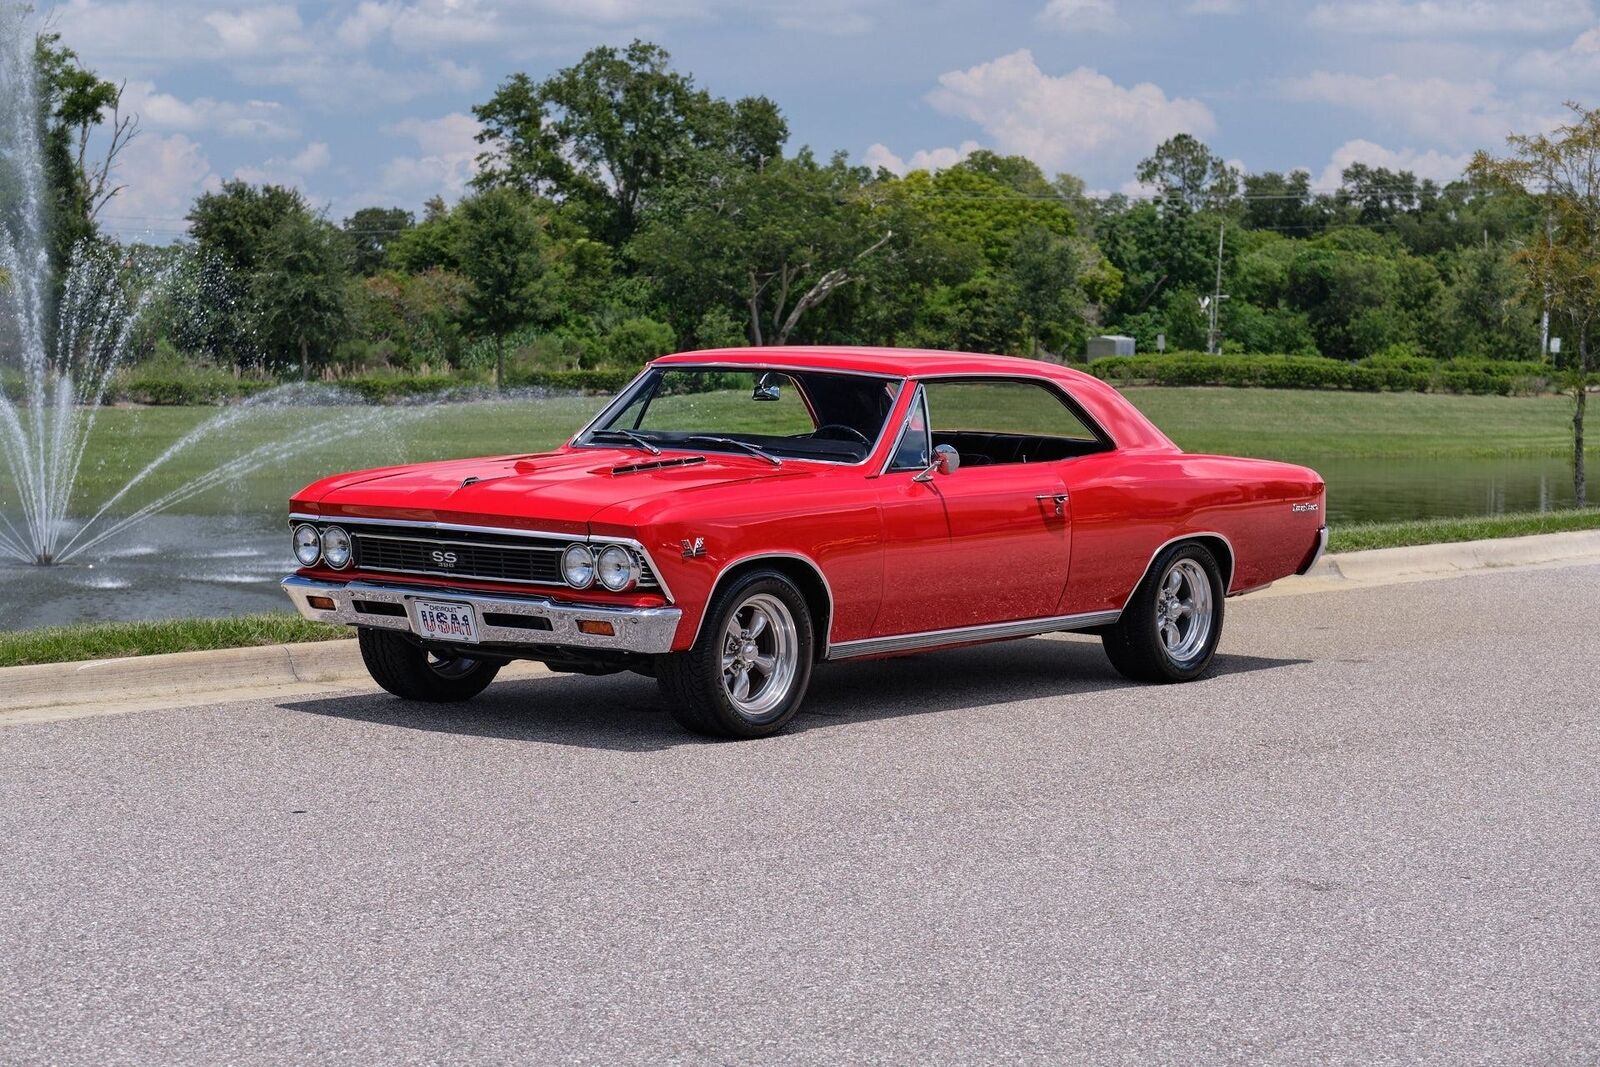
362	102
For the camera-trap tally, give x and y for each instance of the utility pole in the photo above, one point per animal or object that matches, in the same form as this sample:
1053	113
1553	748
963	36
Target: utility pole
1213	334
1544	313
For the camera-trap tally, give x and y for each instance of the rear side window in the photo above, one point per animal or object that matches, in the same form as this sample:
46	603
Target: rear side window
1028	409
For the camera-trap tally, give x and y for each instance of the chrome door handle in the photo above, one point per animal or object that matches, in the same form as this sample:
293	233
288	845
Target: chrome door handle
1060	500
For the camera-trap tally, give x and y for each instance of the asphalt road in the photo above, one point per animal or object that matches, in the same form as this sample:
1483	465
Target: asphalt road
1373	836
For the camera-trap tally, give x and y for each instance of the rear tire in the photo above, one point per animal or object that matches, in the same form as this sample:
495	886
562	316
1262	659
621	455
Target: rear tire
411	672
747	673
1169	629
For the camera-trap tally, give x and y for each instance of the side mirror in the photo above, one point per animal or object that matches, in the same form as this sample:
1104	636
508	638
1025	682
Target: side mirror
767	388
946	460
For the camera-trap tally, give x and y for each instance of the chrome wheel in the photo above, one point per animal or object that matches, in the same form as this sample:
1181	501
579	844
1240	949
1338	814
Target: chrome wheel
760	655
1183	610
451	666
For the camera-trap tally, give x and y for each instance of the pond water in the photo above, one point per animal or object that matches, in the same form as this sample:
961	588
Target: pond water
225	556
1386	490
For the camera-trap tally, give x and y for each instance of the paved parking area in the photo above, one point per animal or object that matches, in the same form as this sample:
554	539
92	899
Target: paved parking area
1372	836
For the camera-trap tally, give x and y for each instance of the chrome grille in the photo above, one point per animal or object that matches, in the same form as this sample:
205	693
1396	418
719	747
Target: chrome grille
484	556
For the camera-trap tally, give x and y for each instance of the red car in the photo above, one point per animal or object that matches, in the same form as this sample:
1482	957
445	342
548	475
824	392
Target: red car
733	518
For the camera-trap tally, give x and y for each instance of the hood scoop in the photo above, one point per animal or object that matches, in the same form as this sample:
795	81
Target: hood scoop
657	464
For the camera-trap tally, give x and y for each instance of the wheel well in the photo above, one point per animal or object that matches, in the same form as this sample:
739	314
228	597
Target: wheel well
806	578
1220	549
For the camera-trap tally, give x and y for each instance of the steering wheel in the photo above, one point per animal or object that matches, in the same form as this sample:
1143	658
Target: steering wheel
822	433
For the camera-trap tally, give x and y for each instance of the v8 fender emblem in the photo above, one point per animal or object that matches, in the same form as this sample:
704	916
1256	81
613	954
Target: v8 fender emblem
693	549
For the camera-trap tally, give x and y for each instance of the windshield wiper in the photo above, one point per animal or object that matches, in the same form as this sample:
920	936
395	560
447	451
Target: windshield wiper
632	438
745	445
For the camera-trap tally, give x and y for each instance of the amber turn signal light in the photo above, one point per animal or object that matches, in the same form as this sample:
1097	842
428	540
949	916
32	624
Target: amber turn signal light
322	603
595	628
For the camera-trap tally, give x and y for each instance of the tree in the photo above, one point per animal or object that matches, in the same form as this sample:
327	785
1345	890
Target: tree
501	256
230	228
370	231
1187	173
300	288
1274	201
609	131
1561	170
780	240
74	102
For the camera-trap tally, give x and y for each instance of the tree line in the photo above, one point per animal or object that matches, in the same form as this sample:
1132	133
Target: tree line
621	210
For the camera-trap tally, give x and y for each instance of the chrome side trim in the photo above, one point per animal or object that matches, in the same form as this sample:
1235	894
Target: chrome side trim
644	630
807	560
1227	582
960	635
447	527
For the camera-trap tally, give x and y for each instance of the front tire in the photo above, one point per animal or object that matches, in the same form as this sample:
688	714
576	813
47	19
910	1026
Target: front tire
1169	629
411	672
747	674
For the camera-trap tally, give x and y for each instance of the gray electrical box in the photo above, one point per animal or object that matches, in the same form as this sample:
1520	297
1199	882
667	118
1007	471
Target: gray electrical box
1114	344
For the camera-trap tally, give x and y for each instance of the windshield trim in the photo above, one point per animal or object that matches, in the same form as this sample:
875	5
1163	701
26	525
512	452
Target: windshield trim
579	439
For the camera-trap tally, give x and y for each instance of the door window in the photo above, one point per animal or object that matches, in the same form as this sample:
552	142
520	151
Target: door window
991	422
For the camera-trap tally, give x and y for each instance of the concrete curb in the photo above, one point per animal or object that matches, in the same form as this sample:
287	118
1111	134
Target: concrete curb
1418	563
99	687
179	674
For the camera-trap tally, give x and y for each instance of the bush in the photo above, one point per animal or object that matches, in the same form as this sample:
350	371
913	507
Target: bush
172	383
583	381
1388	372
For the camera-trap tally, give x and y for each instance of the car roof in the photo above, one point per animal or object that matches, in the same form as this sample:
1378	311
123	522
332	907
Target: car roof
1124	422
891	362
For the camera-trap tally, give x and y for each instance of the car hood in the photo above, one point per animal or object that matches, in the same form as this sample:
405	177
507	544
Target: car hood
554	491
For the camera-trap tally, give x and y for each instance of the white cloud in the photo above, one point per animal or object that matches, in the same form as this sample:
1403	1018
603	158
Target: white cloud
256	119
1214	7
1078	15
1435	17
1080	121
1429	164
879	155
145	30
293	171
1565	69
1459	113
445	162
162	176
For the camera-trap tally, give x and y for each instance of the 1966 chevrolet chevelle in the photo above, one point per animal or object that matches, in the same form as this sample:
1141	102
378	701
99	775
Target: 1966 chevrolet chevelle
733	518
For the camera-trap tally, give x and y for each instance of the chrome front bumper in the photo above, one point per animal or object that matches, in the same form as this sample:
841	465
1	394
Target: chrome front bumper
550	622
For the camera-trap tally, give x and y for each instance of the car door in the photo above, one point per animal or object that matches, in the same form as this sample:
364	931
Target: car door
989	542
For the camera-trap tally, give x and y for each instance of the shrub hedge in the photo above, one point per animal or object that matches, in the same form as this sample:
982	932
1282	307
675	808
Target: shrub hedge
164	384
1374	375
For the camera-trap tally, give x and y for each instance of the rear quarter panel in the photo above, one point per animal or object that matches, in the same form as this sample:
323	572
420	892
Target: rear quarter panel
1126	505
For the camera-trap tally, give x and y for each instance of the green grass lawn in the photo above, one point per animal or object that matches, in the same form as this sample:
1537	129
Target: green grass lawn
62	644
1307	425
1357	537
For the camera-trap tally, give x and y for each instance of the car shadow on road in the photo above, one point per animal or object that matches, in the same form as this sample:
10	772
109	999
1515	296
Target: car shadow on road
626	713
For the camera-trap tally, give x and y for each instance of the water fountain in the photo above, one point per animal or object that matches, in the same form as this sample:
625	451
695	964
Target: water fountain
63	337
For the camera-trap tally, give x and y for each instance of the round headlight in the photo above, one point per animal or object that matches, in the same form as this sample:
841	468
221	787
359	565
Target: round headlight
336	548
618	569
307	545
577	566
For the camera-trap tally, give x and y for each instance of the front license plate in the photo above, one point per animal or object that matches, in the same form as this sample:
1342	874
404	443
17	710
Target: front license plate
438	621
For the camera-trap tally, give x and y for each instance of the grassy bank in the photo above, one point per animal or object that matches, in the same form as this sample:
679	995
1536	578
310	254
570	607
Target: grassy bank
1361	536
62	644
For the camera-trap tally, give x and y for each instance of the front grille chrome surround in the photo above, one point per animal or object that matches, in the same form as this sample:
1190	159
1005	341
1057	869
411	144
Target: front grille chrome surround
439	550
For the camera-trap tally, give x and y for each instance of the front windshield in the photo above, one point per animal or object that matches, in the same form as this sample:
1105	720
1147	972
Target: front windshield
799	414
